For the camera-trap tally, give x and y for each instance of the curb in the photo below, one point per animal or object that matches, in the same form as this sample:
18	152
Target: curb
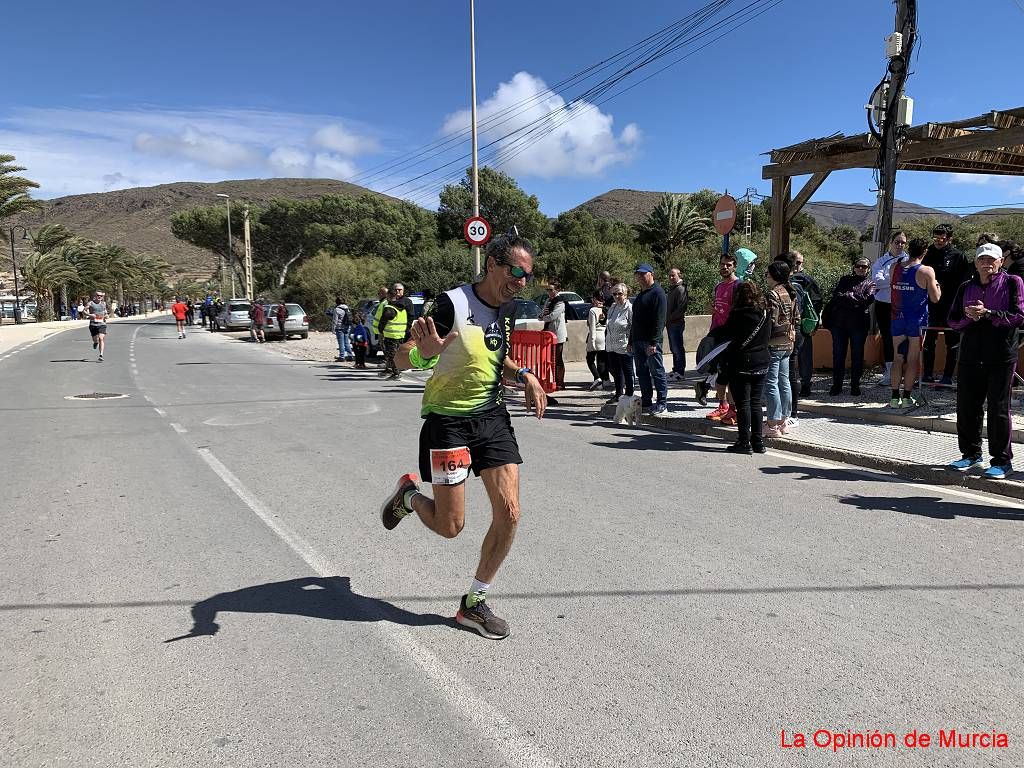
924	423
920	472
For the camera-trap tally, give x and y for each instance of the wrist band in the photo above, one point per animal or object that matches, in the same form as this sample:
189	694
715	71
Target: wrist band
418	361
521	373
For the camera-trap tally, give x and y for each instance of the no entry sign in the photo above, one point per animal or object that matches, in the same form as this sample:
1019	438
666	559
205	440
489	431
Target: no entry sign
725	214
477	230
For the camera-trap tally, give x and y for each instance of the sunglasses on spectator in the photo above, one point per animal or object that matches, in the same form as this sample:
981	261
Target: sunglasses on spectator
860	266
618	293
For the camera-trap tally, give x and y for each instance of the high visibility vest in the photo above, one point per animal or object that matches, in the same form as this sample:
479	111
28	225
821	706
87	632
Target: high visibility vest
395	329
376	316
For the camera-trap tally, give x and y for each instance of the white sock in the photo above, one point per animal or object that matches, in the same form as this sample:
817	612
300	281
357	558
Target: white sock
477	592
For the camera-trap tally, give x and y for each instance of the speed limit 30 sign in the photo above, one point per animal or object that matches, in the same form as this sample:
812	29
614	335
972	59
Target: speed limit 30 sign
477	230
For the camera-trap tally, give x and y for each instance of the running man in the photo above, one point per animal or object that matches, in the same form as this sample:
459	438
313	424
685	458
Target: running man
97	311
179	309
913	286
466	425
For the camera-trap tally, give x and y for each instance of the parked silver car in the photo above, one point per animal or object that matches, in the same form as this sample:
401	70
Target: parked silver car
235	315
297	323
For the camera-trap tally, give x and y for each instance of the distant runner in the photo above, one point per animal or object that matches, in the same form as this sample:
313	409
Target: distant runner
97	311
179	309
465	422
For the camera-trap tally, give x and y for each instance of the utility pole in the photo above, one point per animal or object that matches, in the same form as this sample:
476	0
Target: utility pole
250	289
893	111
476	177
748	220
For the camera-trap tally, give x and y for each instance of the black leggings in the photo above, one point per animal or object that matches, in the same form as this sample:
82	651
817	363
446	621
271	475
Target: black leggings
883	316
597	362
559	366
746	392
621	369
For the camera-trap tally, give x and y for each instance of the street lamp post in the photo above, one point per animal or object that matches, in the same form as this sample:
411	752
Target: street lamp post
231	251
14	268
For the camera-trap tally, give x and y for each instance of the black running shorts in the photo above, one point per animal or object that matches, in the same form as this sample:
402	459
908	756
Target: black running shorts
489	439
96	330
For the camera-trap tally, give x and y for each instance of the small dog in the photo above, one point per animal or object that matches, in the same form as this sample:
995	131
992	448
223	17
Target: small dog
628	410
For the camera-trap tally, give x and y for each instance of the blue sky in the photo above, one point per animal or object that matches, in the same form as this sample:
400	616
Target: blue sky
114	94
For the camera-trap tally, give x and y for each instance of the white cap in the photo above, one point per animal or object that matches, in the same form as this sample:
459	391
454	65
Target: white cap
989	249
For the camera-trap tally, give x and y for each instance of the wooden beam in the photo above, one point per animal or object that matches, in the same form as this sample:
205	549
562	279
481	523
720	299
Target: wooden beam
920	150
804	195
779	241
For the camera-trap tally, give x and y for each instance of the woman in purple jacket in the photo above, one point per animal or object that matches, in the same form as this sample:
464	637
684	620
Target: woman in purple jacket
988	310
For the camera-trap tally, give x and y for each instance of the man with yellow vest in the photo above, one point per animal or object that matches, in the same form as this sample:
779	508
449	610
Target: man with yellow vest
391	322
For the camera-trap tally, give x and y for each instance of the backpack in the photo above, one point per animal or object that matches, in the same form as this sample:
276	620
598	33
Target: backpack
809	319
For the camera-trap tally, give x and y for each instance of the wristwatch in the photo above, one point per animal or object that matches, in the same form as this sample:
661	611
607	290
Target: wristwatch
521	373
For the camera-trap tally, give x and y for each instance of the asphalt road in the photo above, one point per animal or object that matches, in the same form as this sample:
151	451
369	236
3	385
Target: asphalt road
196	575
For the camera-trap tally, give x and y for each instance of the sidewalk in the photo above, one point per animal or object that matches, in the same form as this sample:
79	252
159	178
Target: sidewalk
12	336
915	444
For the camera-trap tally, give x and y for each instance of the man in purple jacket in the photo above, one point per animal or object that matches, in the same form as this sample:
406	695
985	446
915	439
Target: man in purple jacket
989	311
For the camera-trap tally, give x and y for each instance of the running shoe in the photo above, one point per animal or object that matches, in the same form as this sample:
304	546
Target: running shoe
658	409
729	419
395	377
701	392
772	432
95	344
101	358
482	619
792	422
896	402
393	510
962	465
998	471
718	413
929	379
946	381
913	400
596	385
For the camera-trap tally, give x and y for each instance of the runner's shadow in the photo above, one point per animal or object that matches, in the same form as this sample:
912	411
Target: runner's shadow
328	598
75	360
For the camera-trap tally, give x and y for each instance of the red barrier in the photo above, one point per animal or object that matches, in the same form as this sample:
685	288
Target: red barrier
536	350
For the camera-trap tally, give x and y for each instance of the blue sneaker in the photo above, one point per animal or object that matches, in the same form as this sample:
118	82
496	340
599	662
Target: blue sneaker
962	465
998	471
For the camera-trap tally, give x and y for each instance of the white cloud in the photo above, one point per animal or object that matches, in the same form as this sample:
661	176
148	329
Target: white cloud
569	140
71	151
976	179
289	161
204	148
337	138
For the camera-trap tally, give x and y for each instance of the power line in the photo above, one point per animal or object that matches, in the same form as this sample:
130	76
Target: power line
529	134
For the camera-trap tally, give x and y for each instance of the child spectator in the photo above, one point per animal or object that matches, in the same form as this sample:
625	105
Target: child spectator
360	340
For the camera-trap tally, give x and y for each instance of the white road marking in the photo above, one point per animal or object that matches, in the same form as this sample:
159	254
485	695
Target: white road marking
178	428
517	747
161	411
995	500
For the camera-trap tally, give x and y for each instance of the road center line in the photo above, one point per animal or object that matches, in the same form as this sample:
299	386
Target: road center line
518	748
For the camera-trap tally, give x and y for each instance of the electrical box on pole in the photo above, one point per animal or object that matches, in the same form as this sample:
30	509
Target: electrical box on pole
890	111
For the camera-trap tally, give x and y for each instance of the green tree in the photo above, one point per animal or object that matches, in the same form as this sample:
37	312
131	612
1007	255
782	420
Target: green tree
502	203
45	273
579	228
319	279
14	192
673	224
438	268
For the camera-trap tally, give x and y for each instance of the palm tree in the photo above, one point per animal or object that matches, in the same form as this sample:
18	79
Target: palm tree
14	195
45	272
672	224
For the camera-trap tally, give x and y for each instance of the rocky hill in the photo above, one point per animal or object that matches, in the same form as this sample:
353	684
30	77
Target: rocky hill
632	207
140	219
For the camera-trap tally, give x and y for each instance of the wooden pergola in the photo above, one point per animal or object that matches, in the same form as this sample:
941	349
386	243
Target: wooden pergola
992	143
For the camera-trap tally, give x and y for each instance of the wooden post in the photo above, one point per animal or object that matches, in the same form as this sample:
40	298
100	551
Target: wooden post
781	187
